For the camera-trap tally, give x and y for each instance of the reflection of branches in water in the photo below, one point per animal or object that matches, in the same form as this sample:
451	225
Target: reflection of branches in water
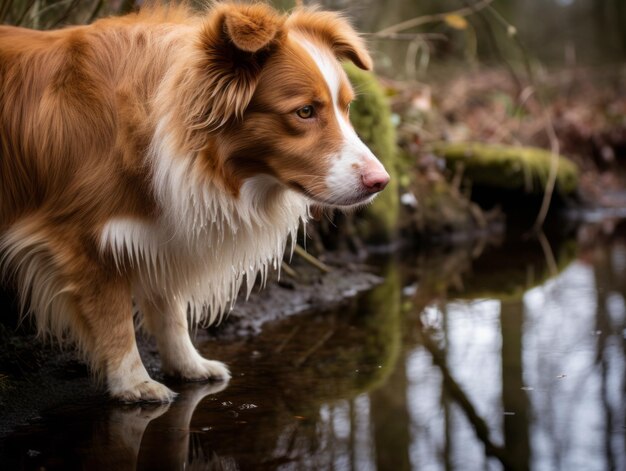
455	391
514	396
548	254
317	345
287	449
587	372
603	328
589	376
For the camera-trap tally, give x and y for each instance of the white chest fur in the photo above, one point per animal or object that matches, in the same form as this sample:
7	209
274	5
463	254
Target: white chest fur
206	242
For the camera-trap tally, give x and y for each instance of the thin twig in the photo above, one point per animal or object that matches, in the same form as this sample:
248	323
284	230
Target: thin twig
408	36
316	346
287	339
65	14
5	8
25	12
421	20
496	48
458	177
511	31
312	260
553	268
549	125
287	269
554	167
456	392
94	13
412	52
38	15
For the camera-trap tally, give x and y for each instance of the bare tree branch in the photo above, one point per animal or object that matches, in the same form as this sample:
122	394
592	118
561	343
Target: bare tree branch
421	20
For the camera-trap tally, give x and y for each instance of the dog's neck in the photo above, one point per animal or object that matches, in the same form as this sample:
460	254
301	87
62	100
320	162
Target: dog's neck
198	204
205	241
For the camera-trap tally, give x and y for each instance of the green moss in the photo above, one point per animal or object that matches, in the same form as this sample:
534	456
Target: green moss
524	169
352	352
384	328
371	116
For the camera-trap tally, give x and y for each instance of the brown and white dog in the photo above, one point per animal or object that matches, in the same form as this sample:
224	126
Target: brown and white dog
165	157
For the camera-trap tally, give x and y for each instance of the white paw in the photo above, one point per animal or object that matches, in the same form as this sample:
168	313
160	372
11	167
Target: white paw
143	391
202	369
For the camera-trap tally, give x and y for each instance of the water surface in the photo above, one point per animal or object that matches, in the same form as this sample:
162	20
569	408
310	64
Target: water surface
510	357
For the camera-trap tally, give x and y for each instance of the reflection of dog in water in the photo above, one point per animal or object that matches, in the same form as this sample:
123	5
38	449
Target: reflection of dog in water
168	157
152	436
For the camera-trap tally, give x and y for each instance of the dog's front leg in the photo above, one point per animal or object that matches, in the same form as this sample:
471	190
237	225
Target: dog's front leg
104	306
73	294
166	319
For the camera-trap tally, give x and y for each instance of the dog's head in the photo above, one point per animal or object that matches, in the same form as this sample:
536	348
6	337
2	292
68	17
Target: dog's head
272	90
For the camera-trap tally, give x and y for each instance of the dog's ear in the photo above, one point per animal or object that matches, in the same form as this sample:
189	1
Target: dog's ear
251	27
232	46
335	31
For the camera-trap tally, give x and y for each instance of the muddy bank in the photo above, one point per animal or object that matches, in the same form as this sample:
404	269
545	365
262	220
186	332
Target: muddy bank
314	291
35	377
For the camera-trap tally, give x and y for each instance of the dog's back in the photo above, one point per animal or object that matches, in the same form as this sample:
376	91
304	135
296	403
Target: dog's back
74	116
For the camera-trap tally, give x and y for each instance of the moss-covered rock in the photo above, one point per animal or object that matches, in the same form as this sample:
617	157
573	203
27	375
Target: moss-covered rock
524	169
371	116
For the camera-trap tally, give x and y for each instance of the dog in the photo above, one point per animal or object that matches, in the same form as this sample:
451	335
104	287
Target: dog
167	157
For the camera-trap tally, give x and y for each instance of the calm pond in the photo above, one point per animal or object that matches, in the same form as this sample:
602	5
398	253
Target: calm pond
507	357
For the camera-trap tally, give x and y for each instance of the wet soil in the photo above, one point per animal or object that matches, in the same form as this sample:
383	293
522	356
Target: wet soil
35	376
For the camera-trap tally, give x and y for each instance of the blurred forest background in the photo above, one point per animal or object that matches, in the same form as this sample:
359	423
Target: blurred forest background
496	118
481	109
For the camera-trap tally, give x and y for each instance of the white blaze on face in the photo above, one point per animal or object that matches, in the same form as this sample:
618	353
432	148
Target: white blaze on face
355	175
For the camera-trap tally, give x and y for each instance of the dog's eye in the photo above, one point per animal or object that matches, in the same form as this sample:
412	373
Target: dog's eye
306	112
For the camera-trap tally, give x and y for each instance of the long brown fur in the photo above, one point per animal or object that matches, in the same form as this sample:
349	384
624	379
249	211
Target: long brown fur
79	111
